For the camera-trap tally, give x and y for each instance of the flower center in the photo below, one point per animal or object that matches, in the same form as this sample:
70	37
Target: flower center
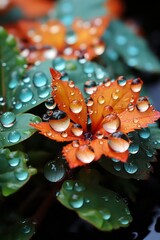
88	136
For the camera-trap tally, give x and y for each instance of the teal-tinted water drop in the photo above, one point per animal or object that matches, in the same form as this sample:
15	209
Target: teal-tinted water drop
71	37
14	80
14	137
117	167
43	92
67	19
21	175
99	73
132	50
26	229
76	201
123	220
59	64
8	119
65	76
121	40
25	95
50	103
130	168
13	162
18	105
144	133
105	214
40	79
115	160
68	185
132	62
133	148
149	153
88	67
122	82
79	187
54	171
26	79
71	66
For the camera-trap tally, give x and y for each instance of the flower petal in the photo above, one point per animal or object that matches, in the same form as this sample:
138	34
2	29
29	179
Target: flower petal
69	99
117	94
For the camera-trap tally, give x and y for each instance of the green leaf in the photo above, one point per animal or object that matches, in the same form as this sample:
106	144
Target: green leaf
12	67
36	87
124	44
98	205
14	172
143	149
16	128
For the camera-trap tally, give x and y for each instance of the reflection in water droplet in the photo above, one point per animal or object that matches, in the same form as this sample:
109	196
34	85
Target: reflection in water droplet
75	143
76	201
142	104
99	135
130	168
85	154
111	123
43	92
54	171
18	105
76	129
117	167
21	175
118	142
121	81
25	95
50	103
14	137
133	148
121	40
13	162
76	106
136	84
144	133
99	73
59	121
101	100
7	119
59	64
14	80
68	185
90	86
79	187
40	79
115	95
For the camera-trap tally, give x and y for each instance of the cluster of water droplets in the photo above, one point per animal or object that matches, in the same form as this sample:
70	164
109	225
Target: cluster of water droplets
25	228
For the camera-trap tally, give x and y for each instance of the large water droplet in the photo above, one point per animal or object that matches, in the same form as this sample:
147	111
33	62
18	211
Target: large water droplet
59	121
43	92
130	168
21	175
8	119
76	201
136	84
25	95
76	106
13	162
144	133
40	79
14	137
54	171
50	103
142	104
59	64
118	142
111	123
76	129
85	154
90	86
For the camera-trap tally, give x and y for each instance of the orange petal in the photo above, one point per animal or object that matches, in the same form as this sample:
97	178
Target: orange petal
131	120
69	99
115	94
47	130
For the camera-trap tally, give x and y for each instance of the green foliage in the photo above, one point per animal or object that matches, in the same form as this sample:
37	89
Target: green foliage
98	205
14	172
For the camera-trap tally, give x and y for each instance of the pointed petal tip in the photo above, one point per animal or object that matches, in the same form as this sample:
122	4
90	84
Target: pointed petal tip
55	74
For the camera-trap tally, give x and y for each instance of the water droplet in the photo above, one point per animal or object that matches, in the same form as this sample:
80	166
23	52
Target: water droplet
117	167
71	37
26	229
25	95
88	67
118	142
149	153
132	50
99	73
18	105
8	119
130	168
14	80
130	107
59	121
121	40
50	103
115	160
136	84
68	185
133	148
14	137
76	106
76	129
144	133
90	86
142	104
71	84
115	95
123	220
40	79
13	162
21	175
79	187
111	123
59	64
64	134
99	135
71	66
85	154
65	76
107	110
101	100
75	143
54	171
105	214
50	53
76	201
43	92
89	102
107	82
121	81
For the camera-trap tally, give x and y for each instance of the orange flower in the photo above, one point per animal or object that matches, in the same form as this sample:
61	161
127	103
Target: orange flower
99	125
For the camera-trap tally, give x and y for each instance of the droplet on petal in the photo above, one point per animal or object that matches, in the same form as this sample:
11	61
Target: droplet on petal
101	100
76	106
136	84
107	110
99	135
131	107
75	143
118	142
142	104
85	154
121	81
111	123
90	86
76	129
107	82
59	121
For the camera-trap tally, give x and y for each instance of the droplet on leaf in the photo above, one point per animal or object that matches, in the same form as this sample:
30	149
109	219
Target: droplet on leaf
8	119
40	79
14	136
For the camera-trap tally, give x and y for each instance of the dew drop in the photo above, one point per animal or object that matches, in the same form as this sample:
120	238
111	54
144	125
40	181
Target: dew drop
40	79
121	81
75	143
142	104
71	37
101	100
99	135
133	148
68	185
121	40
79	187
14	80
88	67
144	133
50	53
76	201
43	92
59	121
107	110
18	105
64	134
26	229
13	162
8	119
54	171
90	86
117	168
21	175
65	76
59	64
14	137
50	103
130	168
76	106
99	73
136	84
123	220
76	129
89	102
107	82
85	154
118	142
115	95
25	95
105	214
111	123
